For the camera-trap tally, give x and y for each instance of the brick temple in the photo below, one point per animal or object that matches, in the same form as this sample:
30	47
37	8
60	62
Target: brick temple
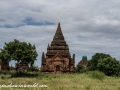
4	66
58	60
84	61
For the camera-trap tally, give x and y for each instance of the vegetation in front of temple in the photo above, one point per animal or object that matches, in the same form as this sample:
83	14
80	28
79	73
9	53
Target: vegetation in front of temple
92	80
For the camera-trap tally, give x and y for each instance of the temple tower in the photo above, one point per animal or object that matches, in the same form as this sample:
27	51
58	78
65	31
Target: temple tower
58	59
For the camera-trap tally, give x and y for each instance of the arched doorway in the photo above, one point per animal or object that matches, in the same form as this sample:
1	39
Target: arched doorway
57	68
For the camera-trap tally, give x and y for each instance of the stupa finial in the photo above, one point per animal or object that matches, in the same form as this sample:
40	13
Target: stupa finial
59	24
59	28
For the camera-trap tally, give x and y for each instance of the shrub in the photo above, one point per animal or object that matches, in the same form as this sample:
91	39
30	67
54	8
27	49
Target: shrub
80	68
25	74
33	69
5	72
97	75
110	66
3	77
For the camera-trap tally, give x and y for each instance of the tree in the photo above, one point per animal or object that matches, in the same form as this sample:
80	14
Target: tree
110	66
19	51
4	56
80	68
92	64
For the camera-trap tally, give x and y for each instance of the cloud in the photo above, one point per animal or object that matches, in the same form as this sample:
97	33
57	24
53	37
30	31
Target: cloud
89	26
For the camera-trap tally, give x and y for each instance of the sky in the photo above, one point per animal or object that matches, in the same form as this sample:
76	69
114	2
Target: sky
89	26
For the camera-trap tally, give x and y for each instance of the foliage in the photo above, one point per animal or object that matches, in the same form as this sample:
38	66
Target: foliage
97	75
92	64
4	56
5	72
19	51
3	77
110	66
80	68
33	69
24	74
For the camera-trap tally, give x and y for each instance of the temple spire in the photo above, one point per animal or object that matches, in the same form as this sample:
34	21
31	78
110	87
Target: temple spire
59	24
59	27
58	34
48	46
43	57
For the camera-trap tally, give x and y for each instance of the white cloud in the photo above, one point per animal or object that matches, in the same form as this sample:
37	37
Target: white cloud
101	20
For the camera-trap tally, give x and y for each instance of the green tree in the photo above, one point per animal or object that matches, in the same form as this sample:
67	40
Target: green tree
110	66
92	64
4	56
79	68
19	51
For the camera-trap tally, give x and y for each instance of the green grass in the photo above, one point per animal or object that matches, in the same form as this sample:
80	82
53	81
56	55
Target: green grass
83	81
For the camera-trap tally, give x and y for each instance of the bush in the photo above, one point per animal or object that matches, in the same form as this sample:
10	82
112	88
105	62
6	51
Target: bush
80	68
110	66
24	74
97	75
3	77
5	72
33	69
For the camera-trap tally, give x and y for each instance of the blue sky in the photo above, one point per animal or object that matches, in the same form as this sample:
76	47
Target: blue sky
89	26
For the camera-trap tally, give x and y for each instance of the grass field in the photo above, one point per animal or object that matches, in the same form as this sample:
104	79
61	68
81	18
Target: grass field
63	82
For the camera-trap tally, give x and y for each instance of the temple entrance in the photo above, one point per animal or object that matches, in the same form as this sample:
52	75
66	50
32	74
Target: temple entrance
58	69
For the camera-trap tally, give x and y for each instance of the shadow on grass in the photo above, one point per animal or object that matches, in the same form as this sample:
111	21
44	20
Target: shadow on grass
8	75
24	75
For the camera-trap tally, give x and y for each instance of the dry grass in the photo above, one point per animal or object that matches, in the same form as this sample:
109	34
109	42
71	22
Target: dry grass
64	82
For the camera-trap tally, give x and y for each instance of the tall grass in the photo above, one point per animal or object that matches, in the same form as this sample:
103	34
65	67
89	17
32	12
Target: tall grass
84	81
